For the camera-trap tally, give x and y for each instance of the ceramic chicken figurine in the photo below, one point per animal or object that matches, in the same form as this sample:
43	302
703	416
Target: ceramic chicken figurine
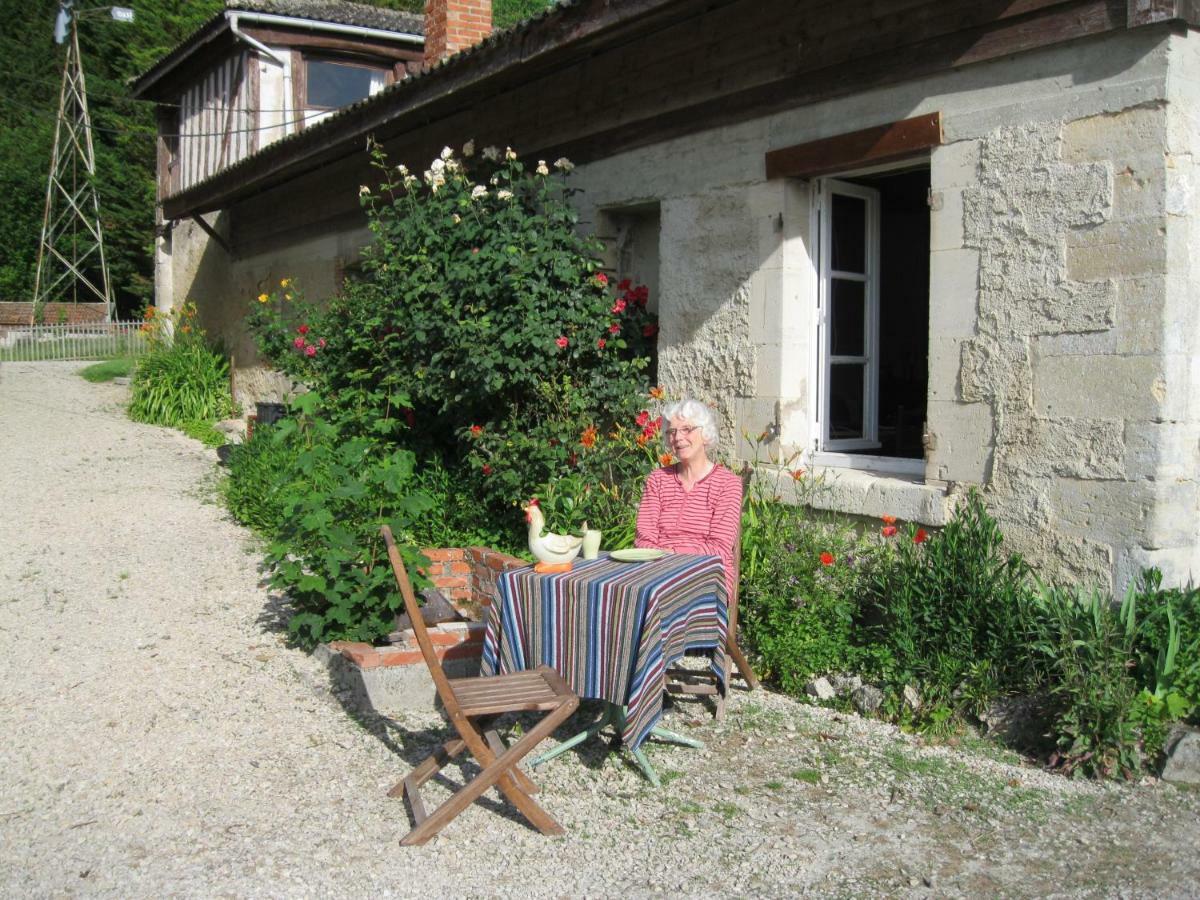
549	549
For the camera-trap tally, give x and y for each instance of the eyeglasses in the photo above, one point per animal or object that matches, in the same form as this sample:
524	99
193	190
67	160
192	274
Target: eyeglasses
684	430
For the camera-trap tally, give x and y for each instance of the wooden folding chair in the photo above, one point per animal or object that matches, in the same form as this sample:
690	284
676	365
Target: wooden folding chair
469	699
703	683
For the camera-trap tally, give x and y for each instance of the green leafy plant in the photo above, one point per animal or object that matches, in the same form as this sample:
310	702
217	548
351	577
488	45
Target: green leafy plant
327	557
941	603
799	579
181	380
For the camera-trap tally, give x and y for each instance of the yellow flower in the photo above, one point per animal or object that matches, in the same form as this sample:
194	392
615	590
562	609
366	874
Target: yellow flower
287	296
263	298
286	282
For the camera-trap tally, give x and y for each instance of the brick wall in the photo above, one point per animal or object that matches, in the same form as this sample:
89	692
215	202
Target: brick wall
453	25
71	313
467	577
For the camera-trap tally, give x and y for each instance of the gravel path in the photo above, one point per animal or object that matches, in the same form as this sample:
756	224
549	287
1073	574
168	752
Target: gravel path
160	739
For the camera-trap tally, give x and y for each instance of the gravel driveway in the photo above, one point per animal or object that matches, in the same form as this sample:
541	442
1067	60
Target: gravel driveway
160	739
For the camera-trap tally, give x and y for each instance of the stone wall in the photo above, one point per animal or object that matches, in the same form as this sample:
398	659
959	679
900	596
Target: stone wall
1061	330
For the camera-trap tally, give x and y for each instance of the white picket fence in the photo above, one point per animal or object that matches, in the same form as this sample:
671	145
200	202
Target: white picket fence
82	341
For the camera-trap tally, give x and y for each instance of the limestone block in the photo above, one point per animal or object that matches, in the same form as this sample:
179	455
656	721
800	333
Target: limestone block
963	438
866	494
1073	447
1132	387
946	222
1172	517
1062	556
1118	250
954	165
1162	450
1140	188
953	292
1179	565
1183	757
1137	324
993	370
1112	510
944	354
1107	137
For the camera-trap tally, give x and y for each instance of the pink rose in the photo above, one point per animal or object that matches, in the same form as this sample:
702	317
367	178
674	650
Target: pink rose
310	350
298	343
562	341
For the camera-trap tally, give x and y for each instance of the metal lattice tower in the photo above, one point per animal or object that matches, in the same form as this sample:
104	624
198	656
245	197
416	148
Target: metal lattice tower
71	266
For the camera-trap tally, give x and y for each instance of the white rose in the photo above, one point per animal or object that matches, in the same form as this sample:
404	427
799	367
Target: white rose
402	169
457	218
510	153
504	195
469	148
478	191
363	190
541	168
437	167
447	153
491	153
563	163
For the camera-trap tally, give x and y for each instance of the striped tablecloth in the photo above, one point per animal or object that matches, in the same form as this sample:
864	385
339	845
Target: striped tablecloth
610	628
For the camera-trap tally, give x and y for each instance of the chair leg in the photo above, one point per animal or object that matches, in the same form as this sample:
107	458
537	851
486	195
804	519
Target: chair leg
430	766
743	666
497	770
497	747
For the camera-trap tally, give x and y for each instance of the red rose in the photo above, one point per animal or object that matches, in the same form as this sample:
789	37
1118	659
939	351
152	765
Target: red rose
476	430
650	330
618	307
614	328
298	343
487	470
601	279
303	329
624	284
562	341
310	350
600	344
827	558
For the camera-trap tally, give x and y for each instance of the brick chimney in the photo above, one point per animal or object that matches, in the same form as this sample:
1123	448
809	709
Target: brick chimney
453	25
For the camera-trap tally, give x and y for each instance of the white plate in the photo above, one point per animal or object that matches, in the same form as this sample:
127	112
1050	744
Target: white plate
637	554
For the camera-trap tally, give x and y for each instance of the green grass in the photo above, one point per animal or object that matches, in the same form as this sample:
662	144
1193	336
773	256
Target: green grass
121	367
808	776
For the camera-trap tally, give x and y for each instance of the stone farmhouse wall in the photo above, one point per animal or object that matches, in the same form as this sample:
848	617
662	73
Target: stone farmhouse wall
1062	336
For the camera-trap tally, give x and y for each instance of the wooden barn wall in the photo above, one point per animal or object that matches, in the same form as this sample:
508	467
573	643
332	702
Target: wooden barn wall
743	59
216	122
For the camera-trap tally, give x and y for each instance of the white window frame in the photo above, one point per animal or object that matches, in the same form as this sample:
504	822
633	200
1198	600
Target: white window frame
833	452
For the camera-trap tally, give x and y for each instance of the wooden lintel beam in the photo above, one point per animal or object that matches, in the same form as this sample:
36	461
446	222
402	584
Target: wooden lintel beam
870	146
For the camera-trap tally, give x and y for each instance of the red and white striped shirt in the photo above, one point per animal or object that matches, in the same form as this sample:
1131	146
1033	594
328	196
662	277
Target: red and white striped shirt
706	519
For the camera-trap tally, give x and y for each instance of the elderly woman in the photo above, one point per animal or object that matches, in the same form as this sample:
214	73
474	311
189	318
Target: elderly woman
695	505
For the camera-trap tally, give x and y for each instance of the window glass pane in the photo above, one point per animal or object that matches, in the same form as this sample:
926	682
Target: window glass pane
333	84
845	401
849	238
847	317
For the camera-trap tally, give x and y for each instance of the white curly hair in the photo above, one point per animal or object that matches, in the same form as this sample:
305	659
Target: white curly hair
699	414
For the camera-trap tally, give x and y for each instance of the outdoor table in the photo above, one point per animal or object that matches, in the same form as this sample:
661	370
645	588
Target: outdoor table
611	629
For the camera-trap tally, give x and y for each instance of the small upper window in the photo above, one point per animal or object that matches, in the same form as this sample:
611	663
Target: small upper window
332	85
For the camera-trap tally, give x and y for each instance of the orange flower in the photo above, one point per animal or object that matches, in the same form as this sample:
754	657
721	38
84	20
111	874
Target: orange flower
643	439
797	474
826	558
888	520
588	438
657	392
888	531
921	536
666	459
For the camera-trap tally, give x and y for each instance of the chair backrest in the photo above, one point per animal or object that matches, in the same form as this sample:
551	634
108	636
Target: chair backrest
746	474
440	681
